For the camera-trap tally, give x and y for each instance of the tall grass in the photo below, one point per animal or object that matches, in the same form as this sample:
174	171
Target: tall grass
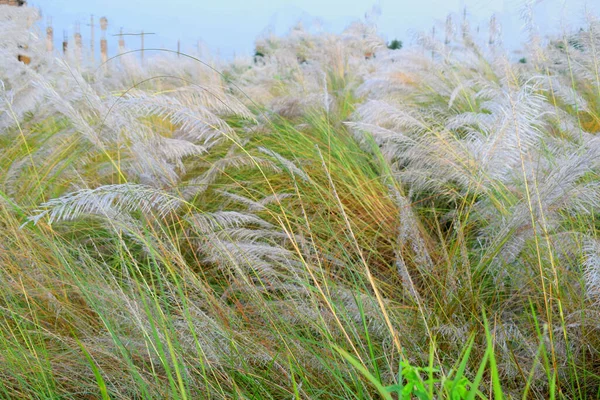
332	219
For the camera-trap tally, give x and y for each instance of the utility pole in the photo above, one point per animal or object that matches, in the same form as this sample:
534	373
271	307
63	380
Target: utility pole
178	48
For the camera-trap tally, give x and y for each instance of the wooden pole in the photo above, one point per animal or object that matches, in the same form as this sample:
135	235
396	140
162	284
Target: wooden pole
178	48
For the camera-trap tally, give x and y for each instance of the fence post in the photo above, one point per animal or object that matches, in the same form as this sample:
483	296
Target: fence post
103	42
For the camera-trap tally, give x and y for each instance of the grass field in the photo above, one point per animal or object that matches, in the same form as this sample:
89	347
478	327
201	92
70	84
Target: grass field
330	219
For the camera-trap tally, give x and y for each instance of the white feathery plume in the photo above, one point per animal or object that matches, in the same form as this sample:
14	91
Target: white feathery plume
104	200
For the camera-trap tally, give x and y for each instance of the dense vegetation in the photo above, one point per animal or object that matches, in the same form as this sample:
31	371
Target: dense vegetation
330	219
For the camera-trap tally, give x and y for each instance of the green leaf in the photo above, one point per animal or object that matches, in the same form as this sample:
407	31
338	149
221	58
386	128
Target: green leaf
99	379
348	357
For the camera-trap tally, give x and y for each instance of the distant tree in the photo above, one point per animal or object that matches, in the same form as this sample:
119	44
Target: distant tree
523	60
258	56
395	44
576	43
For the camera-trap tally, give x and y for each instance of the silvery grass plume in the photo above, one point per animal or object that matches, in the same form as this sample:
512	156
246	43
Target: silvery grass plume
288	165
114	125
235	158
105	200
19	36
242	240
472	148
256	205
295	73
501	148
560	194
194	111
16	28
592	269
410	241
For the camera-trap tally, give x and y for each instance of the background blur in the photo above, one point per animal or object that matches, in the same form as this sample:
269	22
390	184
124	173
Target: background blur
229	27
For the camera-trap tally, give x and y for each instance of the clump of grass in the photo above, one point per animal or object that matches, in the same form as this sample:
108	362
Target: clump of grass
315	223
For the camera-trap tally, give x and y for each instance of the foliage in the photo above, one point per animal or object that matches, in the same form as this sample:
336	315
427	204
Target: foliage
395	44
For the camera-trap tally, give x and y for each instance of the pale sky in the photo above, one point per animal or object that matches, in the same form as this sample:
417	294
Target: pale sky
231	26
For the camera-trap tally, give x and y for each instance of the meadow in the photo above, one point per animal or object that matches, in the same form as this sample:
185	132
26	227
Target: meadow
330	219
